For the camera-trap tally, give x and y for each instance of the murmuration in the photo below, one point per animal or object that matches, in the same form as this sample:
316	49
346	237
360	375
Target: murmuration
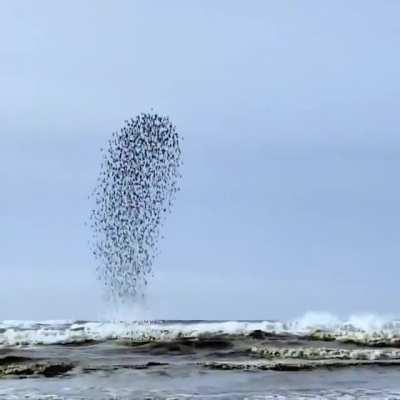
138	182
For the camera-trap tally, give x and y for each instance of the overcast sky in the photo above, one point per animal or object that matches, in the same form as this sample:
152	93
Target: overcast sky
290	112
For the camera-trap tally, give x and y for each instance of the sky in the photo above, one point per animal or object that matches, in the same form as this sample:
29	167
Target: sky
290	116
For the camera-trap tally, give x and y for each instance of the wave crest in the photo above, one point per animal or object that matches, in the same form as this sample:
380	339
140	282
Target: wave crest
364	329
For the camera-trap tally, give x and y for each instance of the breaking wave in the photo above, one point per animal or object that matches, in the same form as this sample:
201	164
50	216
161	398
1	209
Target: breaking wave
367	330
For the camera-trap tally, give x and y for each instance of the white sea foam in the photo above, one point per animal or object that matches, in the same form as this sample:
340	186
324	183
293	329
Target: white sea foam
368	323
325	353
364	329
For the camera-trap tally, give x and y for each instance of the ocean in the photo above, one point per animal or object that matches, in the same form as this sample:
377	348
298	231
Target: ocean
308	358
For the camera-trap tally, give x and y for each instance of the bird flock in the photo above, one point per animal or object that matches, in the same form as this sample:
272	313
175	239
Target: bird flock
138	182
